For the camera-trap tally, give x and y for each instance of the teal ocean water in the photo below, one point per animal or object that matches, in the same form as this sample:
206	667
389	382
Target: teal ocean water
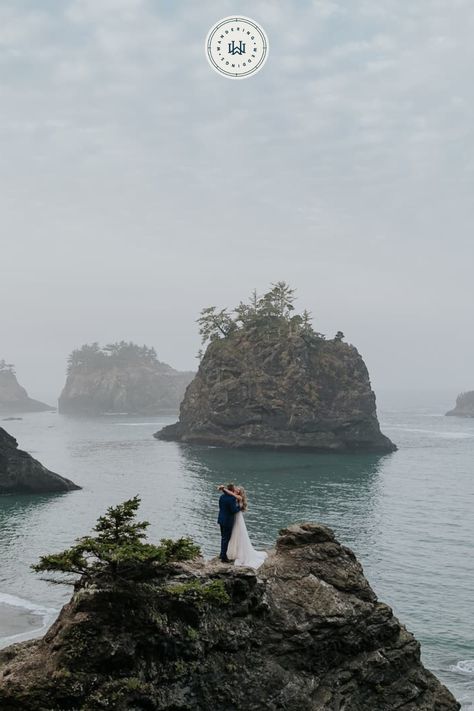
408	516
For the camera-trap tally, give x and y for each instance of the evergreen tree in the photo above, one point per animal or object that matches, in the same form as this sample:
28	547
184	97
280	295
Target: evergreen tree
215	324
278	302
112	354
118	553
271	313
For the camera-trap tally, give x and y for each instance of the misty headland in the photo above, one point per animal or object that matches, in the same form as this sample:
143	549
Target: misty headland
120	378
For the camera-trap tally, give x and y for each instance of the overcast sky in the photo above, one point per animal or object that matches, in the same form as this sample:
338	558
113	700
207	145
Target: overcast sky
138	186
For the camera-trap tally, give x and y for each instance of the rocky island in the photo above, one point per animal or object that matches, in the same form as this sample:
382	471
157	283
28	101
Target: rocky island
464	406
267	379
21	474
156	628
13	398
121	378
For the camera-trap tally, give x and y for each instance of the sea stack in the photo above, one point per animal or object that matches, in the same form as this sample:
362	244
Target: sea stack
13	398
121	378
269	380
305	632
464	406
21	474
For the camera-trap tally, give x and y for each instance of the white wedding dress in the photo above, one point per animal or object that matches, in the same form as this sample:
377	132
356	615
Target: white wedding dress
240	549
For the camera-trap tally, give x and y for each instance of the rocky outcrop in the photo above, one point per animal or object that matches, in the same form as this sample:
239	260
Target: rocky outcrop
464	406
21	474
136	389
14	398
280	392
304	633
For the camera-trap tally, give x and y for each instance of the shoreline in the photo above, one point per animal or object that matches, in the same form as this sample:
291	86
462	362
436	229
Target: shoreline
22	620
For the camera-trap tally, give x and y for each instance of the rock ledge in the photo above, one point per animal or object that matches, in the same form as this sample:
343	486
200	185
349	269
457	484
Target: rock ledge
14	399
464	406
306	633
21	474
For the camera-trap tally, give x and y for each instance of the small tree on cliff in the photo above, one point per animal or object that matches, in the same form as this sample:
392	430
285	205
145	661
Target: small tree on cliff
215	324
118	553
270	314
278	302
120	353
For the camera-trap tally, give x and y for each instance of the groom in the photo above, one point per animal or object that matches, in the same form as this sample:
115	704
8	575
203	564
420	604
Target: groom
228	507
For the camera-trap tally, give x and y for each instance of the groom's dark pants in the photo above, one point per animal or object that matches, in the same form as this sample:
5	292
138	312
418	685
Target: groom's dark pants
226	532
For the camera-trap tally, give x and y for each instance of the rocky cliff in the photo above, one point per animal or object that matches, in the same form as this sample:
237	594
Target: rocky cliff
14	398
280	391
21	474
304	633
464	406
126	383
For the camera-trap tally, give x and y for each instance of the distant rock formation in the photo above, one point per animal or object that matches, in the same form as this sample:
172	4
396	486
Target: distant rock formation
303	633
14	398
21	474
268	380
121	378
464	406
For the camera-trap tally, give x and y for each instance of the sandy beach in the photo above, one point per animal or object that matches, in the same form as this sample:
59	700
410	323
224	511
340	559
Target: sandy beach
20	623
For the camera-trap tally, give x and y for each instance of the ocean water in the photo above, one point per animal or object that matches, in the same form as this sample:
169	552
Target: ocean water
408	515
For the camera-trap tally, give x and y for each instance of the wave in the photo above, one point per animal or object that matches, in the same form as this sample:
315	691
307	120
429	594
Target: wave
465	666
138	424
432	433
14	601
45	614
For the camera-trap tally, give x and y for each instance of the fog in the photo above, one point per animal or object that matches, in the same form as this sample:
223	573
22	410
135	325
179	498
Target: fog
137	186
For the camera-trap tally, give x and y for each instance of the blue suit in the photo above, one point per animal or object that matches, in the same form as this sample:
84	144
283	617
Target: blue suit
228	507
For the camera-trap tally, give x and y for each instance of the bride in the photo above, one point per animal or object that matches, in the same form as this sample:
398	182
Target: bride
240	549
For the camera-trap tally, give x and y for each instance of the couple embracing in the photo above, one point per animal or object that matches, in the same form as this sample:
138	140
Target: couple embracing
235	541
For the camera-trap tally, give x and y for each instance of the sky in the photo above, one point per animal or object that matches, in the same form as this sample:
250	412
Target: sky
138	186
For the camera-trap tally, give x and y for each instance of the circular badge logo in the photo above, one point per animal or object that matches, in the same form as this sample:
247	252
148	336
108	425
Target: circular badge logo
237	47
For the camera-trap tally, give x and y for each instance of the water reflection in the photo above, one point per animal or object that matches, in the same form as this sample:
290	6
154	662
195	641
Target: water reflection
16	509
283	488
408	516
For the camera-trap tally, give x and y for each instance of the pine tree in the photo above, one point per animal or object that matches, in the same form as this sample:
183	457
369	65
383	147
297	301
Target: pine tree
118	553
215	324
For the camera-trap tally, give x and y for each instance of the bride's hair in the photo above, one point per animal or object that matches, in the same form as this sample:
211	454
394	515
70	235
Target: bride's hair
243	494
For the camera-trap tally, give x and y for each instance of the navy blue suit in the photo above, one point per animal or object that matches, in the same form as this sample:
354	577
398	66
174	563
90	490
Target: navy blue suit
228	507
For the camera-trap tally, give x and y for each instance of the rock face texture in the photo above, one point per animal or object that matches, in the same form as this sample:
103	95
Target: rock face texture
304	633
137	389
464	406
14	398
280	393
21	474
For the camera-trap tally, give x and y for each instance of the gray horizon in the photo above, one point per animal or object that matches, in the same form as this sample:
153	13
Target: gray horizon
137	186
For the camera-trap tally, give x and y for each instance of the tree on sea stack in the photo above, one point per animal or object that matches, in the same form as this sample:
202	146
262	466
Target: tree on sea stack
273	312
118	553
269	379
8	367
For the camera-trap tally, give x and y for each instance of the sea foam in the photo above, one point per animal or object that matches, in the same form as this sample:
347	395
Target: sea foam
465	666
46	615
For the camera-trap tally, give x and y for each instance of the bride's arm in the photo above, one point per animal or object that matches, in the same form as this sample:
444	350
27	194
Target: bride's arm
232	493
